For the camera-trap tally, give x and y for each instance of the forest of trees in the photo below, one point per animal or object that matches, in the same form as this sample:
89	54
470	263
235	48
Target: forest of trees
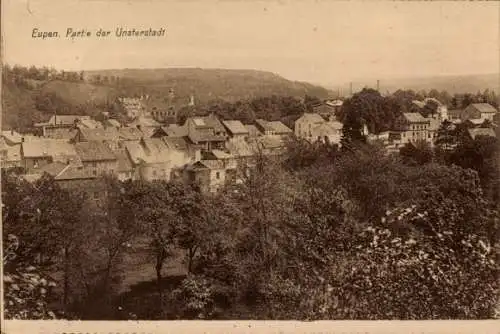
324	233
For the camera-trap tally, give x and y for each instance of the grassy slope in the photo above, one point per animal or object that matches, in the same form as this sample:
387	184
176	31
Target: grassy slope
209	84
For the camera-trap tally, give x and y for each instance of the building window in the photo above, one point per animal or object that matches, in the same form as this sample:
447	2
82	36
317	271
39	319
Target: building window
154	172
94	172
217	175
94	164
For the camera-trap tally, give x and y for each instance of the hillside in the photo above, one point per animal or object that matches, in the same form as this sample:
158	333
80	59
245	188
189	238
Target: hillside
208	84
452	84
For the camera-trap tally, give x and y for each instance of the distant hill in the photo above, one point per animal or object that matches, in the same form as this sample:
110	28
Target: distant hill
35	100
452	84
208	84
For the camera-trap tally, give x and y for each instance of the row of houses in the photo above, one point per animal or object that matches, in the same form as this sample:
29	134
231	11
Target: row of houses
204	150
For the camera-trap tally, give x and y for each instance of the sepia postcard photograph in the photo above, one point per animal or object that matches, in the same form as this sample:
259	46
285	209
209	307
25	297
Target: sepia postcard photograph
243	163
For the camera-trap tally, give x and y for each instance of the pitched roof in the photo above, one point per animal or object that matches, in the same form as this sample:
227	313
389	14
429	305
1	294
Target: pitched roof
65	119
264	124
72	172
175	130
94	151
176	143
48	147
100	134
235	127
12	136
414	117
130	133
312	117
53	168
481	132
484	107
151	150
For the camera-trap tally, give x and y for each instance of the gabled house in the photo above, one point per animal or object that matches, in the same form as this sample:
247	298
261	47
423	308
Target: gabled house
305	124
153	159
236	130
10	155
478	111
62	126
12	137
273	128
327	132
97	157
209	175
206	133
38	153
412	127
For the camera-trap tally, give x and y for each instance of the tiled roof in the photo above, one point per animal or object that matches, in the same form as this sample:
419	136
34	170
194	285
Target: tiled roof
48	147
94	151
100	134
481	132
151	150
484	107
235	127
414	117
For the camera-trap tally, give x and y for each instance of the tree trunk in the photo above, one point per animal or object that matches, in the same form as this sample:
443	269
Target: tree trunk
66	278
159	267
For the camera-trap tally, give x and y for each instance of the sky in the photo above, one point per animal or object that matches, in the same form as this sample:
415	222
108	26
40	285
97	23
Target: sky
318	41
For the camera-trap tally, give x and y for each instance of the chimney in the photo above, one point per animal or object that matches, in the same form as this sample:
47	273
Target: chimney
350	88
378	85
12	132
